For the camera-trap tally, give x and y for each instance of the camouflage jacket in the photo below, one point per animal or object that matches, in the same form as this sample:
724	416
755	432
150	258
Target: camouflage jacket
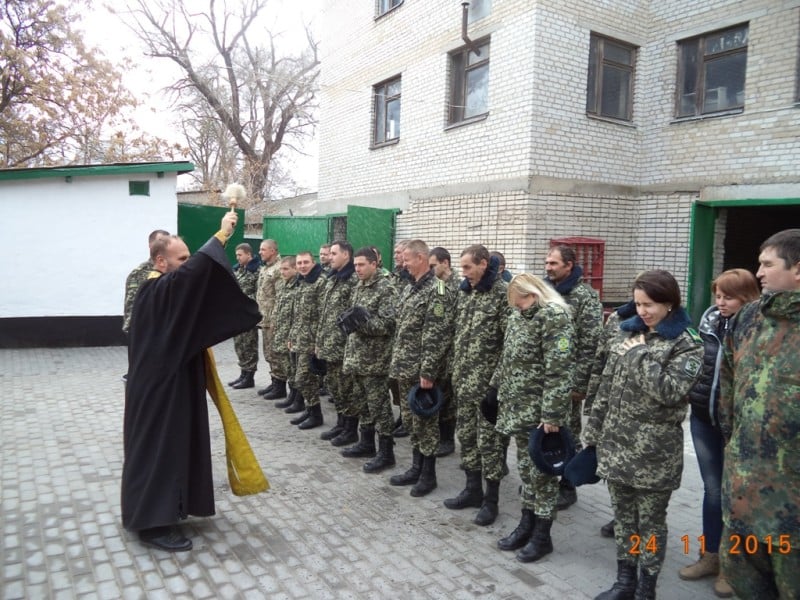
285	292
369	350
247	278
641	402
268	277
534	376
760	418
587	314
305	313
132	283
480	325
424	330
336	297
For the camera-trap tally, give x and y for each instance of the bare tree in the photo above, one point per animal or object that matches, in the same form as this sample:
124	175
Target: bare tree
265	102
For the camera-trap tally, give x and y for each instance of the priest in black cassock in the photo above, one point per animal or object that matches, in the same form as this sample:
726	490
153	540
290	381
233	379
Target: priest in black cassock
188	304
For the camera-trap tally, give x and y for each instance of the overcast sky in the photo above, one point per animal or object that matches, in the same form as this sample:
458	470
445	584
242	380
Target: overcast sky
106	31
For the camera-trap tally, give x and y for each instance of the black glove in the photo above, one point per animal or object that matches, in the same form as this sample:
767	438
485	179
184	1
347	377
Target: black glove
352	319
489	406
317	366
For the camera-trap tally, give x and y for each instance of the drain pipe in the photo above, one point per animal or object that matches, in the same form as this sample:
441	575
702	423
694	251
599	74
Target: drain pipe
464	17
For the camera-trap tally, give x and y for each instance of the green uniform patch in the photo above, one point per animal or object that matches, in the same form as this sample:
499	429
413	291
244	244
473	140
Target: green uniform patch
438	309
563	345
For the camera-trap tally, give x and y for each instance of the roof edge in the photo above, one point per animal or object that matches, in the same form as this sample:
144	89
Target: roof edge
95	170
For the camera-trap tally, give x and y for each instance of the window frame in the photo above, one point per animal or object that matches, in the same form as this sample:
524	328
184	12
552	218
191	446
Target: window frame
456	106
378	3
599	62
700	78
385	101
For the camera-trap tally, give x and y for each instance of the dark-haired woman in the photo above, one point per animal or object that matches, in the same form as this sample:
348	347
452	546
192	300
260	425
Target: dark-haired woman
635	423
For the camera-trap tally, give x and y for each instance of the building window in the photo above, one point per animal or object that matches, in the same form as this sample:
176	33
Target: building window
609	92
384	6
711	72
138	188
469	83
479	9
387	112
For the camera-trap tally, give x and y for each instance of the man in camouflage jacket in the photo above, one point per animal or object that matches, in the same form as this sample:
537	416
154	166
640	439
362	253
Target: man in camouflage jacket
367	355
423	335
136	278
336	297
246	344
566	276
285	290
268	277
760	417
482	311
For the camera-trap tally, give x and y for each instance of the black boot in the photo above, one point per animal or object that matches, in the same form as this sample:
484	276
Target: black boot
298	403
567	496
540	544
365	448
520	536
385	456
607	530
246	381
300	417
625	586
314	417
237	380
278	390
412	475
267	389
427	478
399	429
349	433
471	496
335	430
488	512
646	586
447	438
289	400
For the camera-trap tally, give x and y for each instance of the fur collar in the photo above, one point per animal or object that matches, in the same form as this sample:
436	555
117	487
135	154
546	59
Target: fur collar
313	274
344	273
670	327
487	280
627	310
573	279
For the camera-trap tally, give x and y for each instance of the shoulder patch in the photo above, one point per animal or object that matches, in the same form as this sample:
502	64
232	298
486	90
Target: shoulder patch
562	344
692	367
154	275
695	336
438	309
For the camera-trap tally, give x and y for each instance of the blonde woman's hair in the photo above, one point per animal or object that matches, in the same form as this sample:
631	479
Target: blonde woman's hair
526	284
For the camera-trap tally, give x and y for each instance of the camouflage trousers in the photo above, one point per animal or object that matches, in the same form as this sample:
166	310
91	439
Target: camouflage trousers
575	422
539	491
341	388
281	367
376	408
756	569
246	346
305	381
424	430
640	525
483	448
449	411
271	353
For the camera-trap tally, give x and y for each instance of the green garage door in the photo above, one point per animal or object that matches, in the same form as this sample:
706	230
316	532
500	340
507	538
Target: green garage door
372	227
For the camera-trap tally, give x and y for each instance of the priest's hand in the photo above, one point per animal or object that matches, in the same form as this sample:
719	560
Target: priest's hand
228	223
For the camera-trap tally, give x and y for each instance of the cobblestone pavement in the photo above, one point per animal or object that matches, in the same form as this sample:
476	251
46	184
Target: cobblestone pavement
324	530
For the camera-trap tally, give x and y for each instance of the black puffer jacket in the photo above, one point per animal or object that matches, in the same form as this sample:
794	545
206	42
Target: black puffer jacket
704	395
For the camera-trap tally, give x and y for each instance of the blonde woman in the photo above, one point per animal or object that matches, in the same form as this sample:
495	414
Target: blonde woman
533	382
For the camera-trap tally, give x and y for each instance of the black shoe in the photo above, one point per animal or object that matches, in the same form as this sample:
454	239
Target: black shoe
323	391
267	389
288	401
385	457
246	381
412	475
314	418
427	478
488	512
607	530
298	403
520	536
646	586
567	495
365	448
399	430
168	538
237	380
300	418
540	544
471	496
125	378
349	433
447	438
624	587
277	392
335	430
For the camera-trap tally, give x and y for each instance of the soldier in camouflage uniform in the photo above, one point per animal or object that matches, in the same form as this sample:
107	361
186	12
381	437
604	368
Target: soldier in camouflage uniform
302	338
482	311
268	277
399	278
246	344
565	275
423	335
440	261
337	297
282	318
367	356
760	419
533	381
652	363
135	279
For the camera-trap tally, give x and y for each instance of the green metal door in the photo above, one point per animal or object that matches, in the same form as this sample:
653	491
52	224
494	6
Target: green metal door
372	227
701	259
297	234
197	223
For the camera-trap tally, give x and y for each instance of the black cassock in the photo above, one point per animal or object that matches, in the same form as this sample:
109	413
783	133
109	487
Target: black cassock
166	475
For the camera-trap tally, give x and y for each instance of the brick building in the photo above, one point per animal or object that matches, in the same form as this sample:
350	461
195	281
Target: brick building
669	129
